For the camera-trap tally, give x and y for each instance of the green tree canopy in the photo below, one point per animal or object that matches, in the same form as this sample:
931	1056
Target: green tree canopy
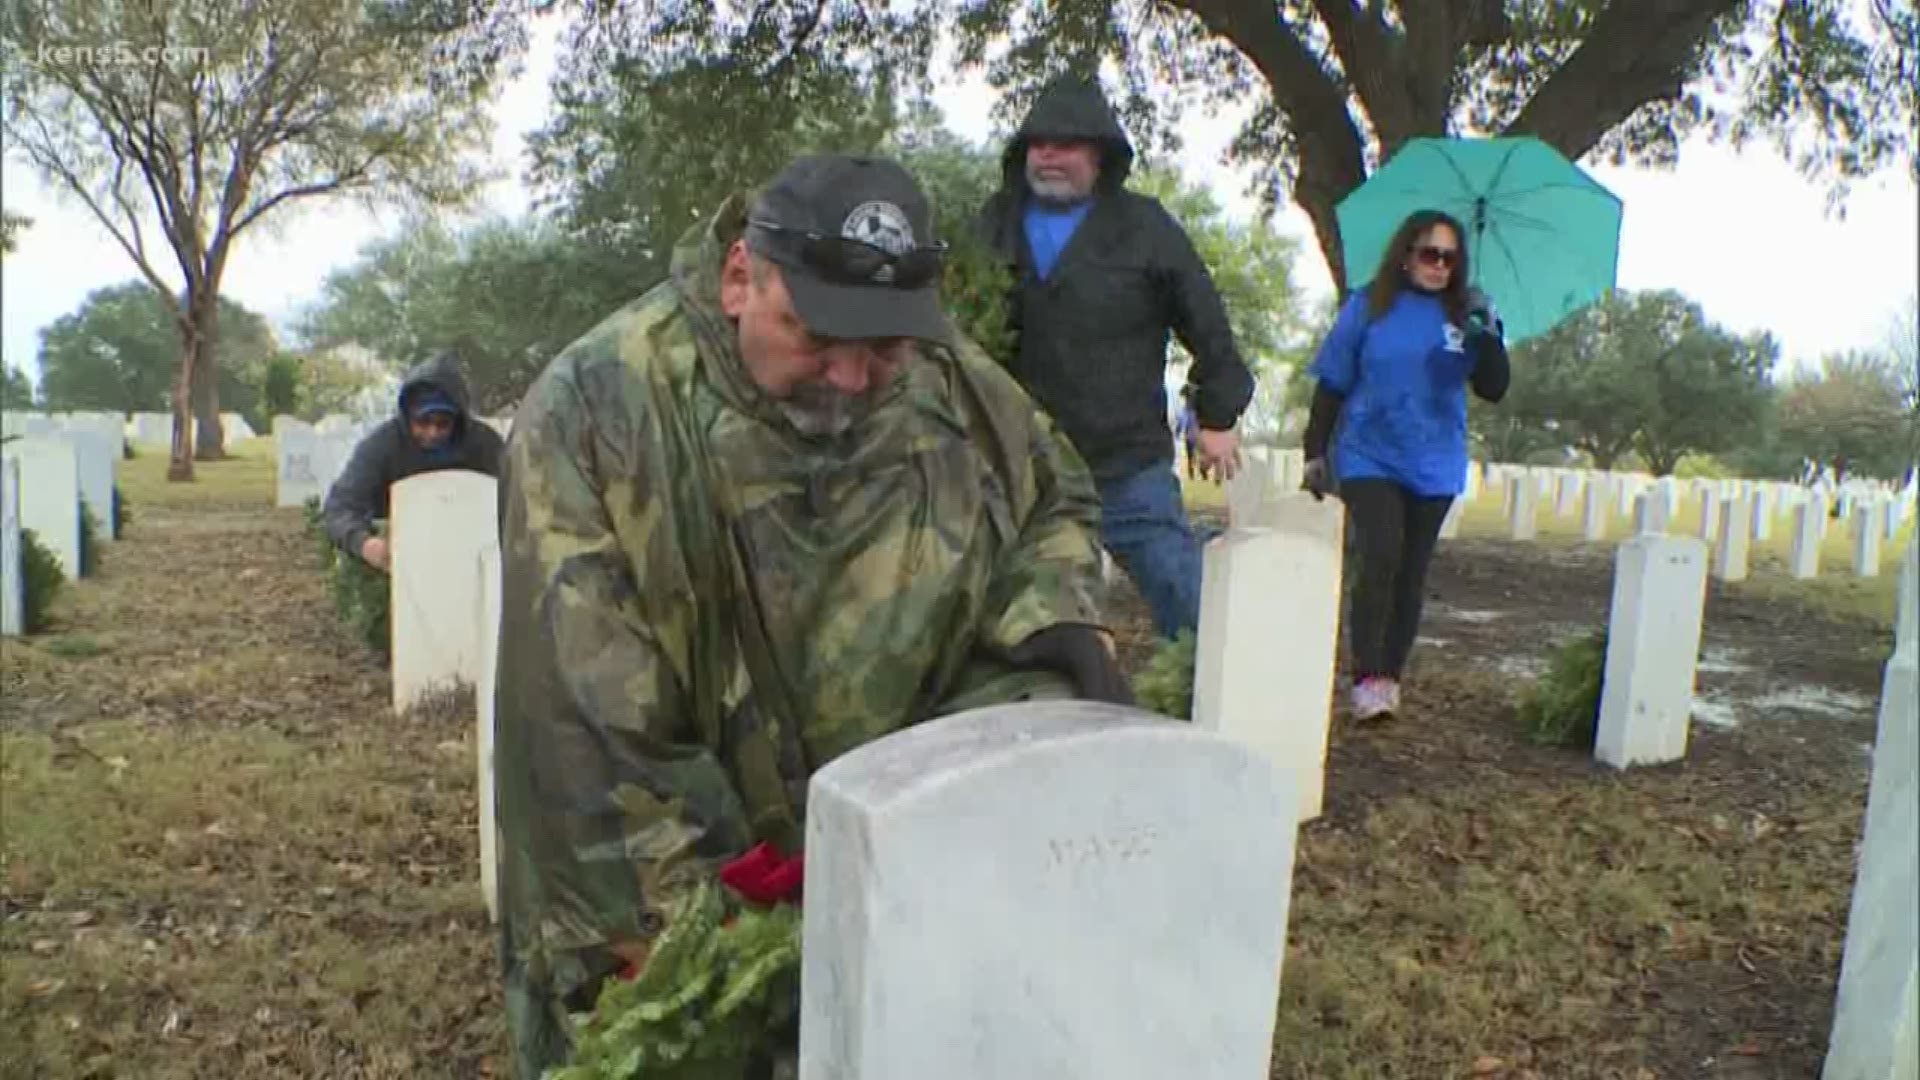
1337	86
119	351
1852	413
11	226
1640	373
506	296
16	389
228	112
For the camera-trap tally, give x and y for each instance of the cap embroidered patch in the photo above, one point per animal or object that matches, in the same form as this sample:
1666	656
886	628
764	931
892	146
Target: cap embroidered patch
883	225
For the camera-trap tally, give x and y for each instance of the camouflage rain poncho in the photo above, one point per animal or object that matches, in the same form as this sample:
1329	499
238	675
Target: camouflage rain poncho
701	607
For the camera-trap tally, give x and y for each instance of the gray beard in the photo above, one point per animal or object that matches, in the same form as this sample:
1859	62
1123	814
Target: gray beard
820	413
1060	193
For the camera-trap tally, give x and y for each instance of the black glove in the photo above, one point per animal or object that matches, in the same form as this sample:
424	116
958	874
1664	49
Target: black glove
1317	478
1480	311
1080	653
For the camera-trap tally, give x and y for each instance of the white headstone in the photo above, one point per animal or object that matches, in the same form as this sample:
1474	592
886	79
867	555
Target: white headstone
1523	510
1876	1016
1906	618
1765	505
1090	839
1866	539
1809	520
151	429
12	573
1450	525
1567	498
487	569
1653	645
50	496
94	456
1626	490
441	522
1248	491
1292	466
1593	517
1472	489
1709	513
296	451
1730	547
1653	514
1270	618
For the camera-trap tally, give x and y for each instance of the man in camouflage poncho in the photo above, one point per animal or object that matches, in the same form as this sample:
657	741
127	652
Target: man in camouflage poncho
772	510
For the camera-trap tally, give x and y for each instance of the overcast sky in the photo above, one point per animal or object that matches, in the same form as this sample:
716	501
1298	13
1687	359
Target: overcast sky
1741	233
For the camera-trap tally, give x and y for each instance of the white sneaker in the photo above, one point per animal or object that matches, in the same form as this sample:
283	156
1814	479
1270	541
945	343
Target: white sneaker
1370	698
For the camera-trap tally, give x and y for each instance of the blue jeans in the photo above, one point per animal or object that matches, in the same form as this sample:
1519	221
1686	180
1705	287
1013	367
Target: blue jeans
1143	523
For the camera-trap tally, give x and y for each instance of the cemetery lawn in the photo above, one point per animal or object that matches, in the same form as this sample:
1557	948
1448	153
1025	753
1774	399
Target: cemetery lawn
220	854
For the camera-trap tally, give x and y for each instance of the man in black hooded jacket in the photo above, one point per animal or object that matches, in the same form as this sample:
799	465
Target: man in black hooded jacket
434	430
1103	277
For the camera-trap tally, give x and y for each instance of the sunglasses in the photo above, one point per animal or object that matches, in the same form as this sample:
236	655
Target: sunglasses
1445	258
856	262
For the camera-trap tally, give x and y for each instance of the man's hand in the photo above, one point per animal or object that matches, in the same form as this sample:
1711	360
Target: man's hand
1085	654
1317	478
374	551
1220	451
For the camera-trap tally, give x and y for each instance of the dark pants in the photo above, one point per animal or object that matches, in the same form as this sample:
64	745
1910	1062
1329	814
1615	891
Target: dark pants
1144	524
1394	532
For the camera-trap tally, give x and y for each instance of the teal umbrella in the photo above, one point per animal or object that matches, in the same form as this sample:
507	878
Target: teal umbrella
1543	237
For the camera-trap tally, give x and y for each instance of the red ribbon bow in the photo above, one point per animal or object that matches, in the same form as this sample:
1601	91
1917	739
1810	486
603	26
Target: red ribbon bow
764	876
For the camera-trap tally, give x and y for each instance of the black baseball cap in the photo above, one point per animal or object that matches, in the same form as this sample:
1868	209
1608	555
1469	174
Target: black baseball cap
854	236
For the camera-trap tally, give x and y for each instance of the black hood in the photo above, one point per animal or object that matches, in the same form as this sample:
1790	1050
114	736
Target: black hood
1071	108
441	373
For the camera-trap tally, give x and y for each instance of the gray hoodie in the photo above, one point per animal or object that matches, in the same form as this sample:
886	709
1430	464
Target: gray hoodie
388	455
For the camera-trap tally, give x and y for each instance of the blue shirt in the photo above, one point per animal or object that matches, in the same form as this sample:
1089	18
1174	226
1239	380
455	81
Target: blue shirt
1048	231
1404	377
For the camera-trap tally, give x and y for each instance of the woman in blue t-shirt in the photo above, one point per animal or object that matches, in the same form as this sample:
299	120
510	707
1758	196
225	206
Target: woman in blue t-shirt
1392	393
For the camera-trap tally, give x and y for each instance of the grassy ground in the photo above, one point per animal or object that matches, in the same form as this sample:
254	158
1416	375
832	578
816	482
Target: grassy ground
222	856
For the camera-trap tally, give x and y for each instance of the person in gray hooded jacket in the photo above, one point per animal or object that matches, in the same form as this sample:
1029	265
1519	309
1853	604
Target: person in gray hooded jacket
434	430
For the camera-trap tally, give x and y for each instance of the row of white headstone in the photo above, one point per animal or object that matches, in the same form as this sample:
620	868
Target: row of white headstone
48	478
1734	513
308	458
1142	817
140	428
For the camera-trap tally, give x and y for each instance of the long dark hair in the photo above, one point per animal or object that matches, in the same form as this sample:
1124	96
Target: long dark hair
1391	276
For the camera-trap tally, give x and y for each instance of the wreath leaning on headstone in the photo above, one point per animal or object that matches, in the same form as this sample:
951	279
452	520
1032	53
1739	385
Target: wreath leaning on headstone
719	985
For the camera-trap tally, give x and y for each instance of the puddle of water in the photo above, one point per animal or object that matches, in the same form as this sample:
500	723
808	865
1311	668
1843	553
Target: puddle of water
1715	712
1521	667
1722	662
1431	642
1818	700
1446	611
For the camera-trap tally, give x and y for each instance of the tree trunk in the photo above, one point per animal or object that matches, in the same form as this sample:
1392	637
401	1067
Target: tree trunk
1603	459
210	437
180	466
1661	462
